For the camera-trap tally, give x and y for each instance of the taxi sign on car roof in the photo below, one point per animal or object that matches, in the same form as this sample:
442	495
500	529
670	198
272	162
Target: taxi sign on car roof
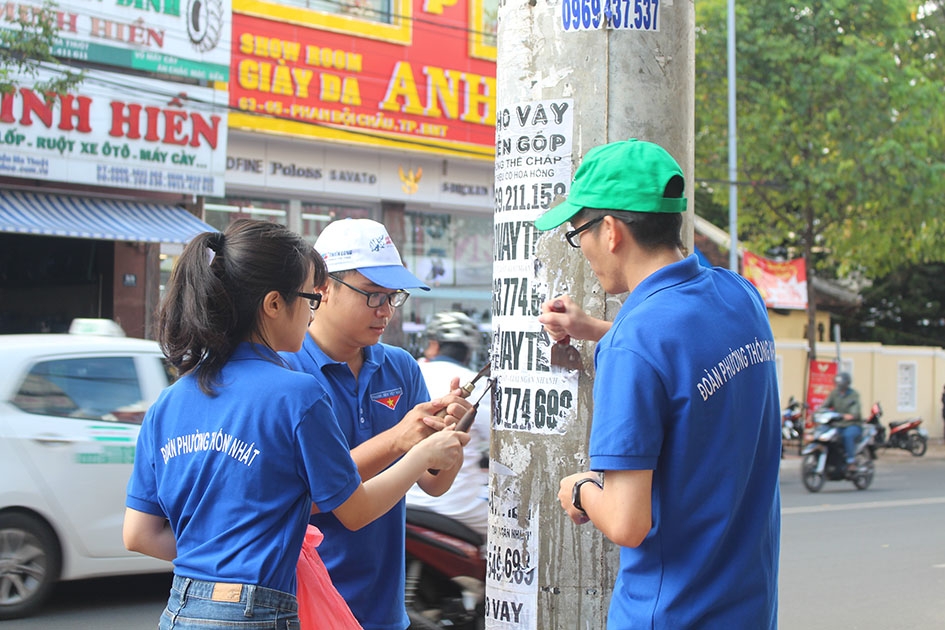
93	326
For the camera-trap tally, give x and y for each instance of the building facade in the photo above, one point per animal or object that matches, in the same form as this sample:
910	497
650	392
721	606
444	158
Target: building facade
193	114
374	109
94	181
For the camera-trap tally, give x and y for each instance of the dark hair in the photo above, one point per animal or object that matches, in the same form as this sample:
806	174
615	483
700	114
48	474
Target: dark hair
218	286
651	230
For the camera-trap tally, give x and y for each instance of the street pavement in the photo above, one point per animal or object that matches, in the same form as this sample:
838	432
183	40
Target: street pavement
791	461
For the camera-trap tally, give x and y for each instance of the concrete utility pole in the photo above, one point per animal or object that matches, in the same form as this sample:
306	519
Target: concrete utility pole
568	78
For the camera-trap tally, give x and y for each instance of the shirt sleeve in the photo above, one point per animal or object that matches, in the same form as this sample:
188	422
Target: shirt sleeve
142	486
629	405
324	457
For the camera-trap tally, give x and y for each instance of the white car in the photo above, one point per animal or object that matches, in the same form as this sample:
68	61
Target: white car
70	410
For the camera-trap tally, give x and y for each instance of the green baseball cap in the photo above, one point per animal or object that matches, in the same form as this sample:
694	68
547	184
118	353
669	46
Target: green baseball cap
630	176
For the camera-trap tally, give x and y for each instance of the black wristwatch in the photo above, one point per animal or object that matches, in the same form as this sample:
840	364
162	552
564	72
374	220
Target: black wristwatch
576	492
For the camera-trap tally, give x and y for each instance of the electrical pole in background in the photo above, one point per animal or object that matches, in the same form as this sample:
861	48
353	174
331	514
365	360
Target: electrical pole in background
567	80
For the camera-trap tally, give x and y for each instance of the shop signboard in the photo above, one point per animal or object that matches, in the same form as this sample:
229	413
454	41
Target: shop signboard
189	39
415	82
118	131
297	167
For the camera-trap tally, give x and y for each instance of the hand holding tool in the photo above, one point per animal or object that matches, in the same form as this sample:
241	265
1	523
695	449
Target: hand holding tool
470	416
562	352
466	421
468	388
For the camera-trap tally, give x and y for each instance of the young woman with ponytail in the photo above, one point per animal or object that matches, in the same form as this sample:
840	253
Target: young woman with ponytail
235	456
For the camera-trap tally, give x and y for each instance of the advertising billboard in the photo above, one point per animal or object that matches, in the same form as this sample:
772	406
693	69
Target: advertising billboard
782	284
189	39
416	77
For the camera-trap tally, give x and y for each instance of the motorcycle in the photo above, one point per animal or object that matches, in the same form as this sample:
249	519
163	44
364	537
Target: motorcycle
904	434
792	420
825	457
446	573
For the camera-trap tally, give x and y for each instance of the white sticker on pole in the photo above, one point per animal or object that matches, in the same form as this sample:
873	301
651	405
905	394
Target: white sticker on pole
512	559
533	156
535	403
532	167
624	15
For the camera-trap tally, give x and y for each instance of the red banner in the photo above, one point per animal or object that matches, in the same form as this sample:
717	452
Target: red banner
820	383
781	284
427	93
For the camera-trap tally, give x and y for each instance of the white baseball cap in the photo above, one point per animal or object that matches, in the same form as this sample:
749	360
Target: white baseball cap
364	245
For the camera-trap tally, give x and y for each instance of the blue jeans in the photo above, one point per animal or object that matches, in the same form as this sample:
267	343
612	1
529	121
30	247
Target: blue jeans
206	605
851	434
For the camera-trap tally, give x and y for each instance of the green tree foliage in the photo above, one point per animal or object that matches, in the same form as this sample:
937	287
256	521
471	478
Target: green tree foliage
906	307
707	206
26	43
841	127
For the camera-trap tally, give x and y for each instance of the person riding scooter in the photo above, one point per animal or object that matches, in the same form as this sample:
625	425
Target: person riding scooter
846	401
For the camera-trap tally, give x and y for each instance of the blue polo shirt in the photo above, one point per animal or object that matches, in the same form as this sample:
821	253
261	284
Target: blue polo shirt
235	474
367	566
686	386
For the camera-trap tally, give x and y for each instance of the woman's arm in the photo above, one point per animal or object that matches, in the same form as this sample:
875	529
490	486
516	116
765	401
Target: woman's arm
442	450
148	534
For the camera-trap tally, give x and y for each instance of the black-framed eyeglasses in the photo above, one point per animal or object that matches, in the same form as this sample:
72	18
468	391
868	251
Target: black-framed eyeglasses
573	236
314	299
376	299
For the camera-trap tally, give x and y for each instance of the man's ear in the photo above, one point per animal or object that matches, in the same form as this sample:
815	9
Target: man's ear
614	232
325	289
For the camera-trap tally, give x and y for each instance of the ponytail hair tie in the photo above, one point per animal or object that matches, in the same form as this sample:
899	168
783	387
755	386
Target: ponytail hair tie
214	244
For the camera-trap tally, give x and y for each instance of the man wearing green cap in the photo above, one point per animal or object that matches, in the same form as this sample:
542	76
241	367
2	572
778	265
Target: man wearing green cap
685	443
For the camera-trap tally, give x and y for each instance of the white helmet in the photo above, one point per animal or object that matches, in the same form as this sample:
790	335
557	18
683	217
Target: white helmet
454	326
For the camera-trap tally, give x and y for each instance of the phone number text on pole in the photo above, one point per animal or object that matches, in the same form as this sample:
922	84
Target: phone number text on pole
587	15
538	196
526	409
508	565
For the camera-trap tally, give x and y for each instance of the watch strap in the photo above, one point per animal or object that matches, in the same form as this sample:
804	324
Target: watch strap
576	492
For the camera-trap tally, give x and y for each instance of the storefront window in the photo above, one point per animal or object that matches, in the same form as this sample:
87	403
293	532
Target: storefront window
220	213
316	216
452	253
374	10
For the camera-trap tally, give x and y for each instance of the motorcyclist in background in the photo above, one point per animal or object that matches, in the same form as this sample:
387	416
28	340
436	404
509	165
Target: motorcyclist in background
846	401
451	338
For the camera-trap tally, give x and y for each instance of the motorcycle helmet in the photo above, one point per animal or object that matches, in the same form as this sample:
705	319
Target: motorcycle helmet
843	379
454	327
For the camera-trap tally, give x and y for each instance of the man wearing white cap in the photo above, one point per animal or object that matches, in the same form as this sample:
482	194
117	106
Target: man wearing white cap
381	401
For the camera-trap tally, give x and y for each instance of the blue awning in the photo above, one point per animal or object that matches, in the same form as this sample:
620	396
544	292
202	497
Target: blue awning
103	219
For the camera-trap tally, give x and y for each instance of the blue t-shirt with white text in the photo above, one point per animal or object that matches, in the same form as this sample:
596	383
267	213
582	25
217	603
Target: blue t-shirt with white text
686	386
236	473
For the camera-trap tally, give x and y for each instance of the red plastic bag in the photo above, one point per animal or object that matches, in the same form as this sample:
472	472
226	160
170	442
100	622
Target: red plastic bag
321	607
